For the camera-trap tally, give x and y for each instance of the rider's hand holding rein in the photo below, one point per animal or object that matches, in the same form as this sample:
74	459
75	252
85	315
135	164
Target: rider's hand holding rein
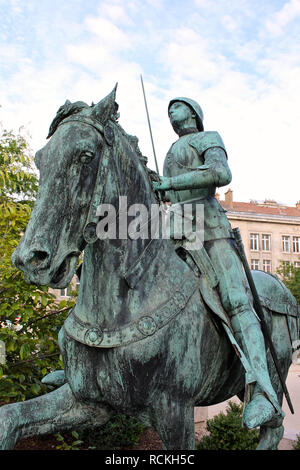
165	184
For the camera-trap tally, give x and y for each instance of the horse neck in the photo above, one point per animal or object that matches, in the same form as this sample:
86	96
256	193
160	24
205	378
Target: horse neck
104	295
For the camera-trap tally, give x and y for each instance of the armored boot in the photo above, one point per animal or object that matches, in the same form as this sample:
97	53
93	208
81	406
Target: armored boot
261	402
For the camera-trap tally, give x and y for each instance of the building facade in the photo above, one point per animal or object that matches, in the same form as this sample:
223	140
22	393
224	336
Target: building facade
270	231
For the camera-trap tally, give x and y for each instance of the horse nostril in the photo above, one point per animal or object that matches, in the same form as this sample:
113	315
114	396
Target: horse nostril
41	255
39	258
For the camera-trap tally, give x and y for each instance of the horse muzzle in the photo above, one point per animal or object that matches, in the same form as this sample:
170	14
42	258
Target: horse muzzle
39	267
31	262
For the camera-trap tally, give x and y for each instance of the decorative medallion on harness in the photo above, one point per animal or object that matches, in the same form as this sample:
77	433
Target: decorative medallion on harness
90	232
137	330
94	336
147	326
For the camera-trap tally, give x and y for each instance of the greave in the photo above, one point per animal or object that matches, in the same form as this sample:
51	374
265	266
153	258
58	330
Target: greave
249	335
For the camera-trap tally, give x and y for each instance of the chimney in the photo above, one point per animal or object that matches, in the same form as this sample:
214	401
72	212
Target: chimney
298	205
229	198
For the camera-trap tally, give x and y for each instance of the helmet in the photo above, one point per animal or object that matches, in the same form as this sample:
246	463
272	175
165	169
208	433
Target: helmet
195	107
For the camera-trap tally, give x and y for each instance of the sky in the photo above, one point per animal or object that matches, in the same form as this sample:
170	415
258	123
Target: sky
239	59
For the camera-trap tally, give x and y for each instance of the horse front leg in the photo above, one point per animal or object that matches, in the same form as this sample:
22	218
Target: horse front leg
57	411
174	422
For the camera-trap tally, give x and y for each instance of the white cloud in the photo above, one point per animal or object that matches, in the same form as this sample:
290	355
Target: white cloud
246	84
280	20
187	55
116	13
229	23
109	34
254	110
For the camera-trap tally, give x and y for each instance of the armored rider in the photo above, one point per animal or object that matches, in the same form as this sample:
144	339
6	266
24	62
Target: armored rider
194	167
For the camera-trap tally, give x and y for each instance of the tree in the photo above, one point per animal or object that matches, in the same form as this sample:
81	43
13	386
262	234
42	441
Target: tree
30	316
290	276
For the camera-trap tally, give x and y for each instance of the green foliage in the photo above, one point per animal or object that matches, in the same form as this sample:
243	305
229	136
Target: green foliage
296	445
120	432
73	445
290	276
30	316
227	433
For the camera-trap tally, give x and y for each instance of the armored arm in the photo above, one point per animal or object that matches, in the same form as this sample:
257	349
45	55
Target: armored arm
215	172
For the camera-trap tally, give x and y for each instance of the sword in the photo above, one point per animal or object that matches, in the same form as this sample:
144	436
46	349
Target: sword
157	171
259	311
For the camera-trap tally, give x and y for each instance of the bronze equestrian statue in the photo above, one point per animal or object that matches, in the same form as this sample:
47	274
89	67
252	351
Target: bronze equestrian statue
158	328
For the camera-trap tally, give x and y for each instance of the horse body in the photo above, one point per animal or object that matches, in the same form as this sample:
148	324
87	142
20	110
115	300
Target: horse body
165	352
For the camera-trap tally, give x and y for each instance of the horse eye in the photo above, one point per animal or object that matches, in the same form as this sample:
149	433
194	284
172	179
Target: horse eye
86	157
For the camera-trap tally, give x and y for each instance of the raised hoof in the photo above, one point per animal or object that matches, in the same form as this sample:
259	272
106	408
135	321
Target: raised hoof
56	378
260	411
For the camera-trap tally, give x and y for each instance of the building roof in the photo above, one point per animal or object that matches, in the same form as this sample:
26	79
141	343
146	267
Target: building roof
261	208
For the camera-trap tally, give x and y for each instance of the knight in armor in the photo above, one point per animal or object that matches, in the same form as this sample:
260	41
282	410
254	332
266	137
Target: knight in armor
194	167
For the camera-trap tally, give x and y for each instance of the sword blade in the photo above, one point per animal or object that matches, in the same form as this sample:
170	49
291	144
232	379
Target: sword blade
149	126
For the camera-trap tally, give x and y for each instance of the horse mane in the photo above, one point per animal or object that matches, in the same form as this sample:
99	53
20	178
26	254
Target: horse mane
134	142
67	109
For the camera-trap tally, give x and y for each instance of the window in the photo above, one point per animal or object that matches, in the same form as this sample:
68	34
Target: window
267	265
63	292
66	292
297	264
296	244
74	286
285	243
254	241
255	264
266	242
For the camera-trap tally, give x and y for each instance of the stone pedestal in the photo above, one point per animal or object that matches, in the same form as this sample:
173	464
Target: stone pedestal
200	414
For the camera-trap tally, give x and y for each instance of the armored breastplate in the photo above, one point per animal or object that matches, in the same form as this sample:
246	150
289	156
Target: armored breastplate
183	158
185	155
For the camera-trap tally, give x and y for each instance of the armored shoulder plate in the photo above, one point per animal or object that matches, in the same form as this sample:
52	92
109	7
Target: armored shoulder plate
202	141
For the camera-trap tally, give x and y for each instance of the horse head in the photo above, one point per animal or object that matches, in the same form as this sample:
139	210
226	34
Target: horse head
68	165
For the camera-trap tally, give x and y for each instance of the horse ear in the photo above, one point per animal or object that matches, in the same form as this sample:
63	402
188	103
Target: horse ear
106	108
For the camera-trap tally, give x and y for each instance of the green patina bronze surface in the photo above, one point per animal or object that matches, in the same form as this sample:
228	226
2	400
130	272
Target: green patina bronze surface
147	335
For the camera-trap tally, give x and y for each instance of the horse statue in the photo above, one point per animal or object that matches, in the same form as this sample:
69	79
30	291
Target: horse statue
143	338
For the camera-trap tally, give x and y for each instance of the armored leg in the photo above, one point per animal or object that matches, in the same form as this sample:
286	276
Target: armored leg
261	403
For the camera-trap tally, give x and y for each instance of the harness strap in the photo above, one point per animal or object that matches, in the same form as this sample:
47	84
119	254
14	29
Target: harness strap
85	120
141	328
89	231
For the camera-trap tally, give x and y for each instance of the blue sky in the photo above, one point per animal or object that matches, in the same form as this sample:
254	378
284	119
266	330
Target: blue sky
239	59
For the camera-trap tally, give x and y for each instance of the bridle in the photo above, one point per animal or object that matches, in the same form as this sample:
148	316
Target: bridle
89	231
